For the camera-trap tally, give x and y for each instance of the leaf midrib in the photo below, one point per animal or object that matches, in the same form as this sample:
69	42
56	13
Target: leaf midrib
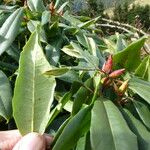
34	76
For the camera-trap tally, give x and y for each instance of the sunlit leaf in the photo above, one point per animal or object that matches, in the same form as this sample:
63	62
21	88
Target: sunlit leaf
108	128
36	5
57	71
141	87
143	69
129	58
33	93
10	28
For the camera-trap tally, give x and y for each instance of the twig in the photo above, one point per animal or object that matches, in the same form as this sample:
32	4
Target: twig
125	25
115	26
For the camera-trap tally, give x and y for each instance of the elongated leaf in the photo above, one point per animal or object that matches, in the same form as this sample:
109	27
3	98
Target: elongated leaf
59	132
36	5
91	60
82	39
69	50
143	69
59	106
13	52
57	71
5	8
10	28
57	3
82	95
33	94
143	111
138	128
32	25
75	128
141	87
53	50
120	45
5	97
70	76
74	21
81	143
62	7
109	130
45	17
129	58
88	23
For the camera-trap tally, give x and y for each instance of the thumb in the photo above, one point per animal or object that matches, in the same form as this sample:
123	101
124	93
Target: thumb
31	141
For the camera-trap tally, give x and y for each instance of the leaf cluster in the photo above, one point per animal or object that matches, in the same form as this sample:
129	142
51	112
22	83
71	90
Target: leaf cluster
51	80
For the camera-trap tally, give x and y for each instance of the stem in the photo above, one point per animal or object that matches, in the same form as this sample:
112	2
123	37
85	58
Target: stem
125	25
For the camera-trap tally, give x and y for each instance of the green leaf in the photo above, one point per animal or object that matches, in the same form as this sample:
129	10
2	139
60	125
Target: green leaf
71	19
62	7
59	106
143	136
141	87
5	8
53	50
82	39
13	52
120	45
70	76
81	143
57	2
109	130
57	71
111	47
88	23
92	60
10	28
129	58
59	132
36	5
143	69
33	93
45	17
143	111
69	50
32	25
5	97
76	127
83	95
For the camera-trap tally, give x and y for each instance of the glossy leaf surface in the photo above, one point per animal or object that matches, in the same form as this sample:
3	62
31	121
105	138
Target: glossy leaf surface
129	58
108	128
76	127
141	87
143	135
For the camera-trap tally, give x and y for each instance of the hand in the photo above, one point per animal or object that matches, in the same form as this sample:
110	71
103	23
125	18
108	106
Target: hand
12	140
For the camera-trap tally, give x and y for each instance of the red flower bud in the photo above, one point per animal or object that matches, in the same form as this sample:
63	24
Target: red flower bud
51	7
116	73
107	66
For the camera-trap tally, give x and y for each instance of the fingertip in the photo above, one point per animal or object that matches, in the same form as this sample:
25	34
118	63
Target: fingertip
31	141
